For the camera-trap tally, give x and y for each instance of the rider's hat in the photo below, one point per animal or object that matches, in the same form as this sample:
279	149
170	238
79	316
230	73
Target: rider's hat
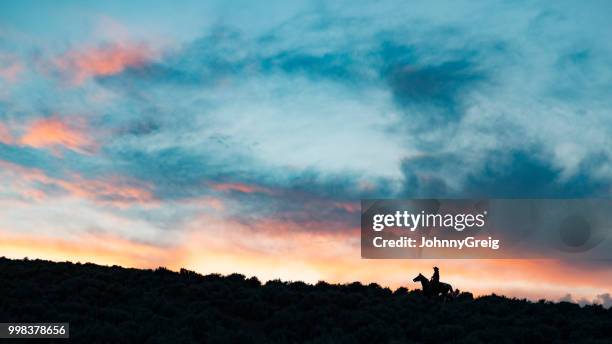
435	268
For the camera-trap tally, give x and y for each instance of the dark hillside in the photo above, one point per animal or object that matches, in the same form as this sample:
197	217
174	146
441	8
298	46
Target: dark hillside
119	305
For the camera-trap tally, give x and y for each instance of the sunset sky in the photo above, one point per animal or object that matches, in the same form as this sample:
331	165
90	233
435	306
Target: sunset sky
233	136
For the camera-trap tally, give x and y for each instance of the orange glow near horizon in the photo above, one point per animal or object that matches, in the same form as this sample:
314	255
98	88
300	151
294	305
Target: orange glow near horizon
100	249
311	257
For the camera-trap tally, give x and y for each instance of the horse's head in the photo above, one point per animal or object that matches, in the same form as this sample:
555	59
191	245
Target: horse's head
420	277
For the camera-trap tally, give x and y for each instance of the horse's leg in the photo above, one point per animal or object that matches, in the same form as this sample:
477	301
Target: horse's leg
427	290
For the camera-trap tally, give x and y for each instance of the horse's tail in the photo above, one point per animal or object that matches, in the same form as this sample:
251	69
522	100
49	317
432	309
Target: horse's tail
452	292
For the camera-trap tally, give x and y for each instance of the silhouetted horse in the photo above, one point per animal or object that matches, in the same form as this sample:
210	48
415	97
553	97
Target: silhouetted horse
437	289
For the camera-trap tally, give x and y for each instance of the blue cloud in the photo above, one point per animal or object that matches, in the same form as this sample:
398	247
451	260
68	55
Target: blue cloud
503	174
441	89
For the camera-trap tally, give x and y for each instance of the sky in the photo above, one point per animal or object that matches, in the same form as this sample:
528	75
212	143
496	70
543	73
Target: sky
234	136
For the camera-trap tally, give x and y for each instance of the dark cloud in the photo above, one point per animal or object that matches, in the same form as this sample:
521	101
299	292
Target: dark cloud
423	176
139	127
441	88
335	66
33	158
213	58
524	174
176	172
159	73
512	173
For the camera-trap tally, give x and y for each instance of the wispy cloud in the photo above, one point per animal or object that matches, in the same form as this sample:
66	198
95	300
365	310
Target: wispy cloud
10	68
244	188
5	135
54	132
104	60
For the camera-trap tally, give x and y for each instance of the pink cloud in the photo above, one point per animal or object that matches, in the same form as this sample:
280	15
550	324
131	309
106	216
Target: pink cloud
54	132
117	191
109	59
10	72
349	207
10	68
240	187
5	135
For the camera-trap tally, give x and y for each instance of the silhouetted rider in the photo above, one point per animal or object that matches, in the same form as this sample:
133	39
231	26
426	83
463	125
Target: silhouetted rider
435	279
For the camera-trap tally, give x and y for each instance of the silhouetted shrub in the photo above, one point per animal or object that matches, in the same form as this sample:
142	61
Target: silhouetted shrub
401	291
